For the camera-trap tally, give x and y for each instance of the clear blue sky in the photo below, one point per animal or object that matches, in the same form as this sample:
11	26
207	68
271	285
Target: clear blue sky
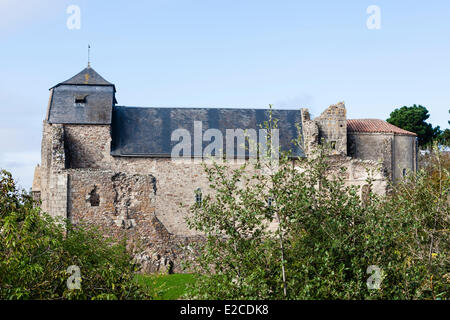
216	53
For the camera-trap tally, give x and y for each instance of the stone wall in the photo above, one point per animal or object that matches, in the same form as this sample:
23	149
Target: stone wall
310	133
139	198
372	146
53	178
358	171
88	146
148	199
405	155
396	152
332	125
123	205
175	182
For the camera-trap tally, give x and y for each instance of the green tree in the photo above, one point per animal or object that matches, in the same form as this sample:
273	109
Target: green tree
36	251
277	232
444	138
414	119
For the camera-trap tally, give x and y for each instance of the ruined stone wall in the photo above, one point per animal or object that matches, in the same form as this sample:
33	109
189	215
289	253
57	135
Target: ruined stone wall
88	146
52	172
175	181
332	125
123	205
310	133
36	187
358	171
134	197
45	166
145	199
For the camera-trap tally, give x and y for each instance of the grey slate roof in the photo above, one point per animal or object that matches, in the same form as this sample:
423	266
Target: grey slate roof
88	76
146	132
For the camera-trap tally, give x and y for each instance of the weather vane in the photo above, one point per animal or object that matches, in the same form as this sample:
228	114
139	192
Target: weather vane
89	55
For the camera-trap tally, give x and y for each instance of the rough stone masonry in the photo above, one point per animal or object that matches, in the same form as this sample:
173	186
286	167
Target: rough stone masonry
110	165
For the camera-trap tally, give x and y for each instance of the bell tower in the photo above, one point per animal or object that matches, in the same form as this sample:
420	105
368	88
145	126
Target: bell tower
86	98
76	134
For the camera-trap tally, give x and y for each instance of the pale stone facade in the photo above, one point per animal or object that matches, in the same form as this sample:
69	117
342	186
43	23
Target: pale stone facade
147	197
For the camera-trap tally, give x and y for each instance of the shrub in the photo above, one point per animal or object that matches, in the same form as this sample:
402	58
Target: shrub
36	251
325	236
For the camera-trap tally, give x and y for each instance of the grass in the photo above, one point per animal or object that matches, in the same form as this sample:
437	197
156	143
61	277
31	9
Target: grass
166	287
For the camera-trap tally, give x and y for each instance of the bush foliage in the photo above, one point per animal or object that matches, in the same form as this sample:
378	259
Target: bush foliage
36	251
324	234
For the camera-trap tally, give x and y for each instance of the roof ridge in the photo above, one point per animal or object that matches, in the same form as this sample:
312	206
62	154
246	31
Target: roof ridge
208	108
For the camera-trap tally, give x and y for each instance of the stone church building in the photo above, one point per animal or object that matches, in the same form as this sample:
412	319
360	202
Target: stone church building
111	165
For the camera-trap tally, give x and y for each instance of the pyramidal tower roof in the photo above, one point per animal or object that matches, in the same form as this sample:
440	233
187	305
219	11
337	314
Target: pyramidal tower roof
88	76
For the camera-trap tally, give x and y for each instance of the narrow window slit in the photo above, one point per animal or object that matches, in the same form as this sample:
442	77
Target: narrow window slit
198	196
94	197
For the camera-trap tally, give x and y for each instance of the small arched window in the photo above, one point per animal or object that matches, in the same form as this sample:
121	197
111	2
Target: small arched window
198	196
404	172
